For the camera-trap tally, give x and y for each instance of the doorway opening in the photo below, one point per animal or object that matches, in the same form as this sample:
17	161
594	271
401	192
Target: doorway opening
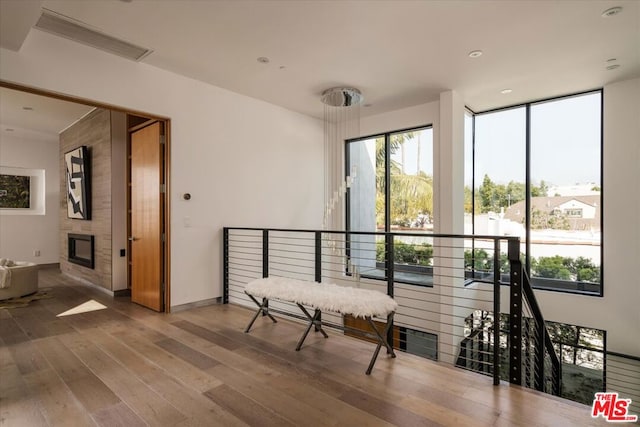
117	246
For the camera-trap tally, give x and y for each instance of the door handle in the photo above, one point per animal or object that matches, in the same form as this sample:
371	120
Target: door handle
133	239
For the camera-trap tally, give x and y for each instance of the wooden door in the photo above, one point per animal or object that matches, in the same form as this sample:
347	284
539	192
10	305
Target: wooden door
146	242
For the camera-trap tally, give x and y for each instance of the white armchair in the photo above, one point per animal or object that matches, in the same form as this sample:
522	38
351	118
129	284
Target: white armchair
22	281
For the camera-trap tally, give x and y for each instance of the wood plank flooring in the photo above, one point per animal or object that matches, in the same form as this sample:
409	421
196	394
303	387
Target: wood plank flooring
128	366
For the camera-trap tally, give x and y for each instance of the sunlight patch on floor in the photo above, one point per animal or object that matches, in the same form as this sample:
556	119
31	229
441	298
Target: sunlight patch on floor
85	307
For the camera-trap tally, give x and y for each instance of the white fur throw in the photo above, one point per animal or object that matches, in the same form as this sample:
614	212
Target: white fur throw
5	272
325	297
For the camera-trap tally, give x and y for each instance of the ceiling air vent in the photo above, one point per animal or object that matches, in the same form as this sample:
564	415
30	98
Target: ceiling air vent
80	32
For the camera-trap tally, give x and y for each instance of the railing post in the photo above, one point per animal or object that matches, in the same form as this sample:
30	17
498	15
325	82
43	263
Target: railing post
515	313
389	262
496	312
225	265
318	257
318	266
265	253
556	380
389	265
541	331
265	263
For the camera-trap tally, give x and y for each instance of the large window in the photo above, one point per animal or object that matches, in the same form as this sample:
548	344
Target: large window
392	191
537	174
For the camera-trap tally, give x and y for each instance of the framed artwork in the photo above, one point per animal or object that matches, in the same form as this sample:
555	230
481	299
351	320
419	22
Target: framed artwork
78	183
15	191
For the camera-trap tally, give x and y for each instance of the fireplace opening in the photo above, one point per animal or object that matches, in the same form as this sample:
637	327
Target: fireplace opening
81	249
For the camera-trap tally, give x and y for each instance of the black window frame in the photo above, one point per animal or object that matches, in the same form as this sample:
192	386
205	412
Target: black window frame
423	270
541	283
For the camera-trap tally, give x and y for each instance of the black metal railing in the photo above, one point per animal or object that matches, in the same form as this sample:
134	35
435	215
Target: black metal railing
476	349
622	375
536	365
440	295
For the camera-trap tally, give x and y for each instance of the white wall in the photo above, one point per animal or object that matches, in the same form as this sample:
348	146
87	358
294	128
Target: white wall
20	234
244	161
418	115
618	311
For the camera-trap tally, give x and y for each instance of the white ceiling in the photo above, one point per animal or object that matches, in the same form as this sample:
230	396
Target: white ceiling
398	53
25	112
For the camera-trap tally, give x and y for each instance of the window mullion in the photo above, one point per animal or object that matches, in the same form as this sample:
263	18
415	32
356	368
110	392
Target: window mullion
387	182
527	190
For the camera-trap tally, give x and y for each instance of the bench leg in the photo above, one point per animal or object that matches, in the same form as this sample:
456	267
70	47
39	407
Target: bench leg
313	321
262	309
381	341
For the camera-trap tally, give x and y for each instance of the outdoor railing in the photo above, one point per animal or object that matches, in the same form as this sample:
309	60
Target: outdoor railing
446	305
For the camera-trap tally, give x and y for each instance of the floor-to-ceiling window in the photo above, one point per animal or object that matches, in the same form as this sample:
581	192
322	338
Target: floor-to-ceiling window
537	173
392	190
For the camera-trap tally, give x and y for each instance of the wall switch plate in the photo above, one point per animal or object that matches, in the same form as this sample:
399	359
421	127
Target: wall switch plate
123	252
36	252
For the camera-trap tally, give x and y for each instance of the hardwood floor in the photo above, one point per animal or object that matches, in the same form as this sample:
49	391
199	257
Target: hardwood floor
128	366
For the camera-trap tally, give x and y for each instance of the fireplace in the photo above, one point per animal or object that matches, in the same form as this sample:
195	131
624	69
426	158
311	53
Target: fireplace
81	249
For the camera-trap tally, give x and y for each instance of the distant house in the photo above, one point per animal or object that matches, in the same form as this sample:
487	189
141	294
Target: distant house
578	190
565	212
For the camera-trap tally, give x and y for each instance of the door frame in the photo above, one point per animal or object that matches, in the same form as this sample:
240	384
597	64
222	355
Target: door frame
165	159
166	222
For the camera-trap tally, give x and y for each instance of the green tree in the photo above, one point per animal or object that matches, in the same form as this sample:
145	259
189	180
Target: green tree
555	267
410	195
492	196
478	260
515	192
406	253
541	190
487	192
483	261
468	199
580	269
585	270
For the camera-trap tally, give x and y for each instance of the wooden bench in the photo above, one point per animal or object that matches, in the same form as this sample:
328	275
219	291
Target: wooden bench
321	297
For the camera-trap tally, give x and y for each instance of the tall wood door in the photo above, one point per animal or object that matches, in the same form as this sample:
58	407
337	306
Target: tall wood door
146	242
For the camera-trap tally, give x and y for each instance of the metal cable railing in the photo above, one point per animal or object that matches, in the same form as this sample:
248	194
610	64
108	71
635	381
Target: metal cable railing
447	294
623	376
536	364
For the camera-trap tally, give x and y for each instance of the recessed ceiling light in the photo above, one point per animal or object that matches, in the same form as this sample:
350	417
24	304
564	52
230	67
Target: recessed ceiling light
613	66
475	53
263	60
27	108
9	129
506	91
282	67
367	105
611	12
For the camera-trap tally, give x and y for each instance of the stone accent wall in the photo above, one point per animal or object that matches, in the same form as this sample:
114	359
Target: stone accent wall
94	131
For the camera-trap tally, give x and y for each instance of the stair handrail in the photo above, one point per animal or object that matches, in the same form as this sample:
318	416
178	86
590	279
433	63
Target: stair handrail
521	290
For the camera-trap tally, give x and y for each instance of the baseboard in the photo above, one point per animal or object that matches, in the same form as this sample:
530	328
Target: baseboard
122	293
55	265
88	283
190	305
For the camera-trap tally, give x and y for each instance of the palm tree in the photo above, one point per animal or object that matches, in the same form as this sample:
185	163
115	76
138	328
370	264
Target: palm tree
411	195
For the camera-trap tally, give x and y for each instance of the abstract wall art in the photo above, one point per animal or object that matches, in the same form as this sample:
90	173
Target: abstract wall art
15	191
78	183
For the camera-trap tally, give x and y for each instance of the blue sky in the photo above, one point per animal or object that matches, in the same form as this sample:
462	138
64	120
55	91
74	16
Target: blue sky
565	142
